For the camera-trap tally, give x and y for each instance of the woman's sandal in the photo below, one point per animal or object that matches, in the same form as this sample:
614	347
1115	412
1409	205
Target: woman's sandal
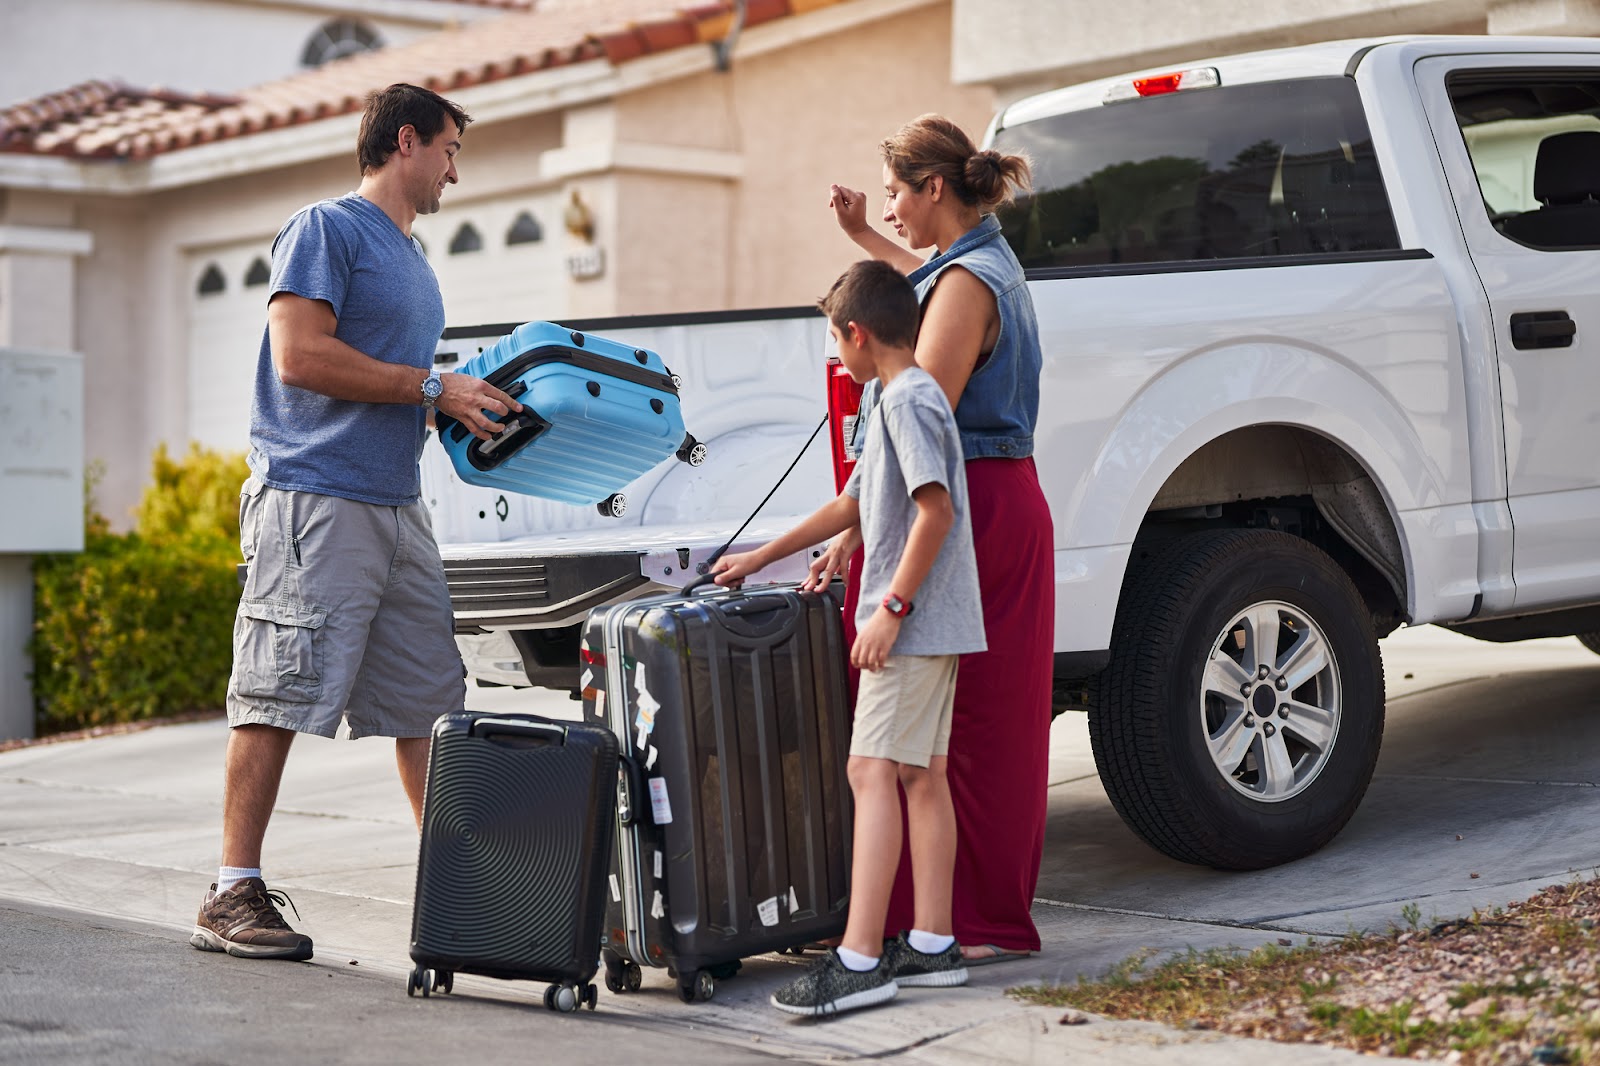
996	954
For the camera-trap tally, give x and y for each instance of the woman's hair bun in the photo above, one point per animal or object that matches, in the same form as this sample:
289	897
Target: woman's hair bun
992	176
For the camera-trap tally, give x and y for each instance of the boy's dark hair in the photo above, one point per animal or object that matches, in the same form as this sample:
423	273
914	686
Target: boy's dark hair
402	105
875	295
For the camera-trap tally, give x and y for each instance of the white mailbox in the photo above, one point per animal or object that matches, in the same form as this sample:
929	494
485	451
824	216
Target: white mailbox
41	451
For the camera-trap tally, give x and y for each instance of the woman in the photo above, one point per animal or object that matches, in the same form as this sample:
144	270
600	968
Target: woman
979	340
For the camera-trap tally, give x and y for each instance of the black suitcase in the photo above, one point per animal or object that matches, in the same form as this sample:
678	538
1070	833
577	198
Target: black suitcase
735	840
518	823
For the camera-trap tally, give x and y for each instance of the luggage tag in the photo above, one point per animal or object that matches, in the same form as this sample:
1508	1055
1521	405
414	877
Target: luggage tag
660	804
645	720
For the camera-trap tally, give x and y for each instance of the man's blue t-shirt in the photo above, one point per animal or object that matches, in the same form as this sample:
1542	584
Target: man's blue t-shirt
350	254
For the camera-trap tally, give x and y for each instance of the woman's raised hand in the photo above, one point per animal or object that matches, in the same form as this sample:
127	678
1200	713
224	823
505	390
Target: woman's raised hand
849	208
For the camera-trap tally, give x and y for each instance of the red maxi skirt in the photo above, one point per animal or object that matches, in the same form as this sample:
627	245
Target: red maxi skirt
1000	729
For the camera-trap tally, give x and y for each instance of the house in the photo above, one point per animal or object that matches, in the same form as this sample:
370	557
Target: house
146	218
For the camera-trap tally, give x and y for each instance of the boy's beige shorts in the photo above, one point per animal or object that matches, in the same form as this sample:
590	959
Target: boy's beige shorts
903	710
345	615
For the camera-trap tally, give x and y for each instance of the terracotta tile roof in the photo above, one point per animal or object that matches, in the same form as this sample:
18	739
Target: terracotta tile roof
107	120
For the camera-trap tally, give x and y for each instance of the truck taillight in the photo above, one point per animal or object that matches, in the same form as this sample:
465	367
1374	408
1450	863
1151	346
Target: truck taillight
844	400
1161	84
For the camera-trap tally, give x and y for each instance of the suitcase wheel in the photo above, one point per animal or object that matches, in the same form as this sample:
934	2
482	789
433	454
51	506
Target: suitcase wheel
699	985
692	452
623	976
613	506
563	998
428	981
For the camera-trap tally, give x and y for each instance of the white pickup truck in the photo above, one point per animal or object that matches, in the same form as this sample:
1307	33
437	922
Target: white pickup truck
1322	357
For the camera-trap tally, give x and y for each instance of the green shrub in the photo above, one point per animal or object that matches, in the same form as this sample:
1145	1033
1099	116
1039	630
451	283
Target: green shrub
139	625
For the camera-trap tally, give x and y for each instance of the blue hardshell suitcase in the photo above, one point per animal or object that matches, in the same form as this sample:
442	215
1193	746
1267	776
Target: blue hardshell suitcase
595	415
518	820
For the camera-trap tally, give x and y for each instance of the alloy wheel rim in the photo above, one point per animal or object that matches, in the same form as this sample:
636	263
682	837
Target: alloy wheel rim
1270	701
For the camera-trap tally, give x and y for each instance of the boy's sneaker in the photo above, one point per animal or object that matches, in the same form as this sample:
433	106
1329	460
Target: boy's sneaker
244	921
919	969
830	986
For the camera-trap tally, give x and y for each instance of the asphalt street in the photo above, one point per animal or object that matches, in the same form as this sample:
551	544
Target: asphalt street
80	989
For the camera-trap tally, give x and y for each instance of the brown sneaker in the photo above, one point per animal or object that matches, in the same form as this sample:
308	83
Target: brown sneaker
244	921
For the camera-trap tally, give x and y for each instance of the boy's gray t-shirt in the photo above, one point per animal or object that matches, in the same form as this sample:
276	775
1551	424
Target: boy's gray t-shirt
911	441
386	300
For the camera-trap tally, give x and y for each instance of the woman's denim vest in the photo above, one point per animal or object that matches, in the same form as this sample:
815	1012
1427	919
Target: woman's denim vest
999	408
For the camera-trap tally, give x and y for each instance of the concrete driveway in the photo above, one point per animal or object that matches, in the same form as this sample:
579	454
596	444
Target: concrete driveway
1497	745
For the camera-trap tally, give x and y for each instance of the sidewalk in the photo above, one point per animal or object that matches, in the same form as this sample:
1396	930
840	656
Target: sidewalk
128	826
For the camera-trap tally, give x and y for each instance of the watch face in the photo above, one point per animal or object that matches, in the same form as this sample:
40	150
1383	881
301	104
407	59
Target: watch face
432	387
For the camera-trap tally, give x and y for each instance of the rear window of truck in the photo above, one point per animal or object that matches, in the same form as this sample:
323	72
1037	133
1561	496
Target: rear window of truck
1247	171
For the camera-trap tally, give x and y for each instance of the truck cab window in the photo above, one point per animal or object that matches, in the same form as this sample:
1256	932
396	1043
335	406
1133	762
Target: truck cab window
1534	139
1280	169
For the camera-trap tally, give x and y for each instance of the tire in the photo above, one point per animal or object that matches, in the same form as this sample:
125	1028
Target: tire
1590	641
1182	682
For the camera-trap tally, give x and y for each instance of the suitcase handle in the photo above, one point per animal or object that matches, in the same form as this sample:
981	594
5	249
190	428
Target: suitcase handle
632	792
489	728
521	429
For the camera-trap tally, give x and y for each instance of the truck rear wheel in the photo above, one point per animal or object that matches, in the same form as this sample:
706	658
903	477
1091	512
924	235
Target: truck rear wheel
1590	641
1238	722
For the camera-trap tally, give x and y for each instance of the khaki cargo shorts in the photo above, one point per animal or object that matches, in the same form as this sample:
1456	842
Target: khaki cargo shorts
345	615
903	710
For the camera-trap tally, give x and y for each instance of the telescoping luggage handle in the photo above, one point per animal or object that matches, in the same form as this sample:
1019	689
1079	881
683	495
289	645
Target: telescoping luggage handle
489	728
706	576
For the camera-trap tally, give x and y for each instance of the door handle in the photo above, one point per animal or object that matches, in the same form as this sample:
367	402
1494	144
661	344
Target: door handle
1542	329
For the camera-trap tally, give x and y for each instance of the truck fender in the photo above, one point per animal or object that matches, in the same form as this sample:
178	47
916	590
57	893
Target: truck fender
1212	392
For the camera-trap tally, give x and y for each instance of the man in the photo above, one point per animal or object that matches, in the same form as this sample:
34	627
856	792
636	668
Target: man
345	614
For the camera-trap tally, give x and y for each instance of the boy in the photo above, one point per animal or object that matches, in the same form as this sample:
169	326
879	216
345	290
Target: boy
909	494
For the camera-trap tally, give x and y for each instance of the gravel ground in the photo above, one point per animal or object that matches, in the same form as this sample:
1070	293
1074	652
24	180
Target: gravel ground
1514	985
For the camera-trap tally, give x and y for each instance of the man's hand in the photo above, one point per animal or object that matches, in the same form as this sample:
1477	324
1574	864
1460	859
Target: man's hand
875	640
731	570
832	562
467	399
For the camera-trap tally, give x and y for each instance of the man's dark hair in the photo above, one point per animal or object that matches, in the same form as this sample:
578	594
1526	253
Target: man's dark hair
875	295
388	110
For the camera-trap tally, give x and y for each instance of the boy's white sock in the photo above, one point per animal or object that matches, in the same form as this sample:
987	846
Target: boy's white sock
228	876
854	960
929	943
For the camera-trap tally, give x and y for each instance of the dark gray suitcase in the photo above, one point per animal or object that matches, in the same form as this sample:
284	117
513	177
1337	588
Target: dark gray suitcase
518	823
734	837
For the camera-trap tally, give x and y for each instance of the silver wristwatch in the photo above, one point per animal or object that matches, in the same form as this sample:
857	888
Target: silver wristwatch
432	389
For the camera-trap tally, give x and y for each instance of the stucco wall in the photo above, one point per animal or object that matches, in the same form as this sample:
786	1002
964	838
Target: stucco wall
801	117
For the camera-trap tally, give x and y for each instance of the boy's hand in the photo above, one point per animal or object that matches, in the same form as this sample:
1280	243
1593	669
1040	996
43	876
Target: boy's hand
832	562
731	570
875	640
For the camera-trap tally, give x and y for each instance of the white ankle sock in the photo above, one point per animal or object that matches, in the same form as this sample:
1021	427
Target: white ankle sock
929	943
228	876
854	960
